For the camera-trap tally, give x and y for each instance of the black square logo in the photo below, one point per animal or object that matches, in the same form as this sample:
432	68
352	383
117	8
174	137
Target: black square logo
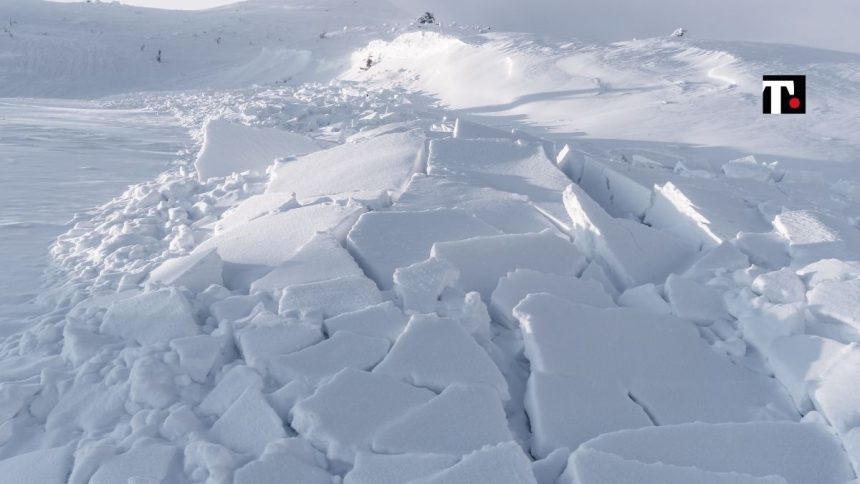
783	94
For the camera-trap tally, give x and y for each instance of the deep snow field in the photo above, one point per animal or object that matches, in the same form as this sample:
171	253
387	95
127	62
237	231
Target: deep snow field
492	257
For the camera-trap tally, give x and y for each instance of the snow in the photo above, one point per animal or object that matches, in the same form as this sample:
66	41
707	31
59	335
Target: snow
500	464
275	467
249	424
264	340
384	320
644	297
198	354
343	350
234	148
695	301
154	461
420	285
373	468
780	287
837	300
461	419
151	317
331	297
230	387
436	352
49	466
195	272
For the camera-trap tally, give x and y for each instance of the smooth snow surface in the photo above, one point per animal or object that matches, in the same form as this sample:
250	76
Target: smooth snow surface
424	254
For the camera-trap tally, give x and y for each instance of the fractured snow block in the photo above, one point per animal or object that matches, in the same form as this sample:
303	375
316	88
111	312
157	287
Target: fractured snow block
281	467
435	352
232	148
566	411
249	424
260	343
771	321
321	258
482	261
505	463
151	317
46	466
343	350
766	250
509	212
383	241
152	461
518	284
800	362
384	320
346	412
634	253
272	239
396	469
645	298
837	301
468	130
722	259
198	354
595	272
461	419
780	287
196	271
694	301
231	386
801	453
749	167
505	165
255	207
829	270
548	469
589	466
813	236
837	395
572	339
331	297
622	190
374	164
419	286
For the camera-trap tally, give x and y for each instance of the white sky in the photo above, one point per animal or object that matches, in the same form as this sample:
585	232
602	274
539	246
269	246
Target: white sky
171	4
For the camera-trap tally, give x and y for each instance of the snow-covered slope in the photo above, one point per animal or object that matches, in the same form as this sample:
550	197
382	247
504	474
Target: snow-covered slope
490	257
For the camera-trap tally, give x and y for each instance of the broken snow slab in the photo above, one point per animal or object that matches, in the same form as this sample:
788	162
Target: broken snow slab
505	463
373	468
482	261
468	130
623	190
384	320
273	239
566	411
255	207
230	387
265	339
800	361
48	466
420	285
151	317
320	259
153	462
330	298
234	148
249	424
780	287
800	453
509	212
837	301
694	301
589	466
322	360
518	284
436	352
829	270
813	236
461	419
196	271
515	167
837	395
645	298
278	467
383	163
346	412
635	254
383	241
198	354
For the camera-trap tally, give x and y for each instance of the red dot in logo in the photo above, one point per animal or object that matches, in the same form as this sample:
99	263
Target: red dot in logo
794	103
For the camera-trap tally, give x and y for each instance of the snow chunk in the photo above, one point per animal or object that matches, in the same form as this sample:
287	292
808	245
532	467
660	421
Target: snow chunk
274	238
346	412
277	467
434	353
151	317
813	236
767	250
196	272
374	164
153	461
724	258
646	298
467	130
233	148
782	286
829	270
461	419
249	424
837	301
48	466
837	396
501	464
548	470
800	362
419	286
384	320
383	241
800	453
396	469
482	261
588	466
263	340
198	354
321	258
634	253
343	350
231	386
749	167
514	287
567	411
330	298
694	301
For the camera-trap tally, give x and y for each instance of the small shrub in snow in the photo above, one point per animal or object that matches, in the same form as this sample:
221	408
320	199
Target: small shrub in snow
679	32
427	19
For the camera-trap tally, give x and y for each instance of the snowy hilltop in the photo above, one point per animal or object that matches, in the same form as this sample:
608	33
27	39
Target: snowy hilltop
401	249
